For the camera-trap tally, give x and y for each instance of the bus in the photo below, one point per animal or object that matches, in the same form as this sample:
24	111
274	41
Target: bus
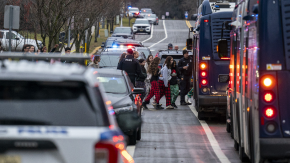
258	94
210	92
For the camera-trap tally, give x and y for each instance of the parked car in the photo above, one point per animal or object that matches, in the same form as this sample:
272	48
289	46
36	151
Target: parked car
133	12
123	96
58	113
144	50
142	26
145	11
17	41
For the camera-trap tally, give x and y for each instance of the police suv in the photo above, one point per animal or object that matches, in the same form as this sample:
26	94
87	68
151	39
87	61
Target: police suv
56	114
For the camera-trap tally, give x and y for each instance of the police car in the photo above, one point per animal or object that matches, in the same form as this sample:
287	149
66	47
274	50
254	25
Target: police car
56	114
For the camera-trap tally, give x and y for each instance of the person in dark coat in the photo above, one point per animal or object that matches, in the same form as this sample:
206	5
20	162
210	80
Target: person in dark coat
131	66
141	78
174	88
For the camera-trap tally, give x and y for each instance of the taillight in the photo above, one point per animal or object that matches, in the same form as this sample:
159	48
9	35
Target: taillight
268	81
206	21
203	74
106	152
203	81
269	97
130	46
269	112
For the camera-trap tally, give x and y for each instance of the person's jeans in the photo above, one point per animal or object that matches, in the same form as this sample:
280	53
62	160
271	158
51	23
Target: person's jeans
184	88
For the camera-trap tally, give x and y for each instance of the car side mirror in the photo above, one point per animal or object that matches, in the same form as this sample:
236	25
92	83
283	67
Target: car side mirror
102	46
222	48
16	38
197	28
103	43
138	90
194	17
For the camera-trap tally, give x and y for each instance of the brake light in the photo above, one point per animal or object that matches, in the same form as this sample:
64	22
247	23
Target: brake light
206	21
137	13
269	112
106	152
225	58
268	97
130	46
203	74
203	66
204	82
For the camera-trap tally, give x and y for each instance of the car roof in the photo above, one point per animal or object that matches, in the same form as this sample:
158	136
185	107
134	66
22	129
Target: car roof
42	71
110	71
117	52
172	52
145	8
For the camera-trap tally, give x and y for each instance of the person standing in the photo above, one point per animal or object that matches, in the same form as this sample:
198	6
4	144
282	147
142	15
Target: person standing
141	78
95	63
149	75
154	70
185	68
136	54
164	81
131	66
174	88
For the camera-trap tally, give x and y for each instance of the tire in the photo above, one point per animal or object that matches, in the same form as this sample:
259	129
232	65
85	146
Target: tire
200	115
139	134
133	138
236	145
243	157
228	127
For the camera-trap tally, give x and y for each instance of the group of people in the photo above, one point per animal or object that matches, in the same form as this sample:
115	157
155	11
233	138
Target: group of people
158	80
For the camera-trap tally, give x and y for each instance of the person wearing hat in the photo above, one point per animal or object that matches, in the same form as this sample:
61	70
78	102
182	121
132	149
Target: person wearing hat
185	69
170	46
131	66
140	80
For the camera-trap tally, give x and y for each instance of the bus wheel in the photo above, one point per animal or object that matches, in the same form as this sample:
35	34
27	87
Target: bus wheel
242	155
228	127
200	115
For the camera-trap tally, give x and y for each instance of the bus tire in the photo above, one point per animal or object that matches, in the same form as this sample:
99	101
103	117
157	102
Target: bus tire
228	127
242	155
200	115
133	138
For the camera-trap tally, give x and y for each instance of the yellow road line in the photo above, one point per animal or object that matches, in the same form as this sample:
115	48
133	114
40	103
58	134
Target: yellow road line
188	24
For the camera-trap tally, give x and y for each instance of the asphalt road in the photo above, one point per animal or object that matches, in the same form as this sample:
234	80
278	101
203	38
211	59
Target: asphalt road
177	136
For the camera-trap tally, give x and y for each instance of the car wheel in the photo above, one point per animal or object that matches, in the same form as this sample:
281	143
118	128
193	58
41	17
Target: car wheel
133	138
200	115
149	33
139	134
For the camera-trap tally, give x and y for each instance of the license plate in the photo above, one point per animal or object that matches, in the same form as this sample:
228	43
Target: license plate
10	159
141	29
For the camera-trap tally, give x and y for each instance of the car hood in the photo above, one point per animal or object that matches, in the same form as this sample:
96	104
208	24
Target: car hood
119	100
151	18
141	25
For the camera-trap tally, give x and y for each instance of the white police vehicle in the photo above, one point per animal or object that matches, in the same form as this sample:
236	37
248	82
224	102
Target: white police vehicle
56	114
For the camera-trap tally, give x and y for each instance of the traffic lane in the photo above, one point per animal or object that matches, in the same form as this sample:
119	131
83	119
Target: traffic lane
224	139
173	136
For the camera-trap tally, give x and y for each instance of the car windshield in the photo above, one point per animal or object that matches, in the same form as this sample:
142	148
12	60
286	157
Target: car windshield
146	11
122	30
47	103
108	60
115	84
141	21
133	9
145	51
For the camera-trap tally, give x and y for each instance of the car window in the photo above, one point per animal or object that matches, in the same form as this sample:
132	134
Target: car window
141	21
109	43
1	34
13	36
133	9
109	60
146	11
122	30
113	83
48	103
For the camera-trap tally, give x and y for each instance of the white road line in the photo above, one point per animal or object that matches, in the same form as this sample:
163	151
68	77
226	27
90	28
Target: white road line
162	39
131	150
150	35
214	144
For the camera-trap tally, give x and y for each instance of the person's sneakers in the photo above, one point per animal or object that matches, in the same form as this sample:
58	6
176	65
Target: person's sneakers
188	103
174	105
183	103
169	107
154	103
144	105
159	107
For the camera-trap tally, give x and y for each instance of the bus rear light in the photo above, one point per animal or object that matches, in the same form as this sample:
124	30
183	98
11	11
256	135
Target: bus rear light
203	81
106	152
225	58
268	97
267	82
203	66
269	112
206	21
203	74
271	127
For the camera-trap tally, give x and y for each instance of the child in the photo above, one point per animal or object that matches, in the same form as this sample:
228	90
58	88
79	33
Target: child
174	88
141	78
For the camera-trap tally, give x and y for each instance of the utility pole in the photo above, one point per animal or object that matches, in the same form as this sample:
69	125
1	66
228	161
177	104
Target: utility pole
10	27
